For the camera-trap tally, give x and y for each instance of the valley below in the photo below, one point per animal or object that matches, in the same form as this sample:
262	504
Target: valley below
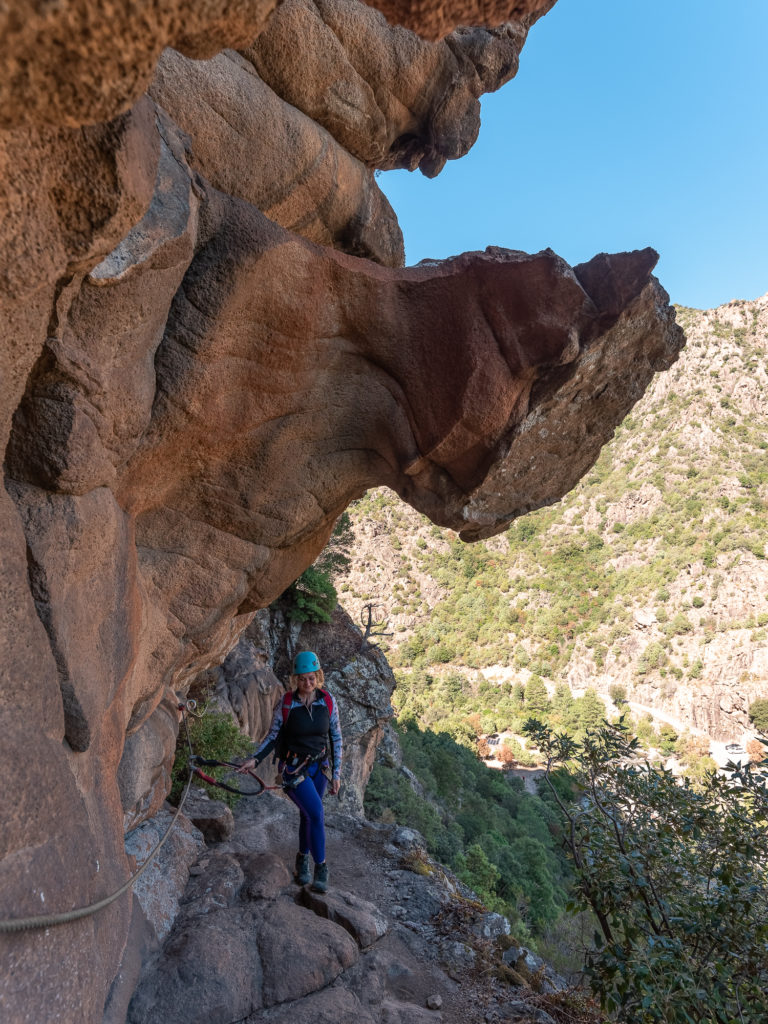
650	575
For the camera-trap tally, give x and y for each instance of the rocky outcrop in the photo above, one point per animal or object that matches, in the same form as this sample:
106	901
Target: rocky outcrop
384	944
192	391
245	685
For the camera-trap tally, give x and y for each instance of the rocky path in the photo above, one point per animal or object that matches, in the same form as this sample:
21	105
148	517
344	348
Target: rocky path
395	940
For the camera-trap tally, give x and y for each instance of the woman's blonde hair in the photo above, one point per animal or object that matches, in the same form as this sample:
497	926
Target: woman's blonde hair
319	674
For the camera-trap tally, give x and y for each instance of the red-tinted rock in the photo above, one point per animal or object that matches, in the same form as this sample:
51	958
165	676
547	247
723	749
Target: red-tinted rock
190	395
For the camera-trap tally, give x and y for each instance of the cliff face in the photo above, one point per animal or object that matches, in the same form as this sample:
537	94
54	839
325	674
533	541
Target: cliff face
210	347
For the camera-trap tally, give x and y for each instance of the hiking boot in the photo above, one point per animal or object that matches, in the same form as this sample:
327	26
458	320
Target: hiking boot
301	872
320	881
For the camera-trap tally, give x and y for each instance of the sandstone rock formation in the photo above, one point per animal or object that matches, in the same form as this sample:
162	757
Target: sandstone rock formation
191	393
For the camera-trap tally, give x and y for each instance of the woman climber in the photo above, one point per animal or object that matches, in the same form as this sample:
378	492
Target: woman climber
306	736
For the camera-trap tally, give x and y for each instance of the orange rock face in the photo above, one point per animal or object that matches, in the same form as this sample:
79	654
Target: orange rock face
210	346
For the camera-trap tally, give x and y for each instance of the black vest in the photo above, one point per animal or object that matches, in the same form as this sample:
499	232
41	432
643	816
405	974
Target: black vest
304	732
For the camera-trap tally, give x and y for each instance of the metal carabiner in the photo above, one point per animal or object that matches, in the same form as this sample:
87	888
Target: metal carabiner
190	706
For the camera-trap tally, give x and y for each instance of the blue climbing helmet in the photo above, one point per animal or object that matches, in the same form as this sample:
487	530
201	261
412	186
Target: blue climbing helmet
305	661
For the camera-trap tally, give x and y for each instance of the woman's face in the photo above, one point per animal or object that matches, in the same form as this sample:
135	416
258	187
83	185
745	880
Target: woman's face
306	682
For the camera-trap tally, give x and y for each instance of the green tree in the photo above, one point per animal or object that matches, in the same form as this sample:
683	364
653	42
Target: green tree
488	725
758	712
536	697
310	598
676	877
564	707
476	871
667	739
213	735
646	731
618	695
591	710
562	701
526	862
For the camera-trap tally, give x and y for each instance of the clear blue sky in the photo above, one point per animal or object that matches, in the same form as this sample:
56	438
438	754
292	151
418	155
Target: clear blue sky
630	123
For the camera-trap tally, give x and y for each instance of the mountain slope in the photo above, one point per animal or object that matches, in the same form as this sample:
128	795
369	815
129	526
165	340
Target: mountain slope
650	574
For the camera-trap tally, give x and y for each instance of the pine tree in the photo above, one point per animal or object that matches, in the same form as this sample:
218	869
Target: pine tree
536	698
562	705
591	710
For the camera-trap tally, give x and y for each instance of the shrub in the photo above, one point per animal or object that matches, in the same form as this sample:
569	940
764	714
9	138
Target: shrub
215	736
757	751
310	598
654	656
680	623
667	738
675	877
440	654
618	694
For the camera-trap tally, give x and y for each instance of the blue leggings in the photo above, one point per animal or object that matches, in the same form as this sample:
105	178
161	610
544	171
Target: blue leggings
308	797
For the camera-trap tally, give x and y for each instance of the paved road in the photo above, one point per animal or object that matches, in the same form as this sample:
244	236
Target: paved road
716	748
664	716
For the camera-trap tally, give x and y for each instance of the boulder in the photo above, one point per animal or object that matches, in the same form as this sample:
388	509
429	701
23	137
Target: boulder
361	919
266	876
215	883
209	973
331	1006
520	1012
491	926
212	817
393	1012
532	968
300	952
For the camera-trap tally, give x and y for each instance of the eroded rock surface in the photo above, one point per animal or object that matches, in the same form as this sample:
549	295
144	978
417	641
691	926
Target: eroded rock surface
199	372
384	944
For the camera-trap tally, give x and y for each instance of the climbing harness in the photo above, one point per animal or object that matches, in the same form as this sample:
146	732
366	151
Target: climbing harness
22	924
296	767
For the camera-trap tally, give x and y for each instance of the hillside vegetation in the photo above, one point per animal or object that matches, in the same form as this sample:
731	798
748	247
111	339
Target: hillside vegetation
649	575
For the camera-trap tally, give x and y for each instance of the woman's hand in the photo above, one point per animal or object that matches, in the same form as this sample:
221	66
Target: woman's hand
333	789
246	766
